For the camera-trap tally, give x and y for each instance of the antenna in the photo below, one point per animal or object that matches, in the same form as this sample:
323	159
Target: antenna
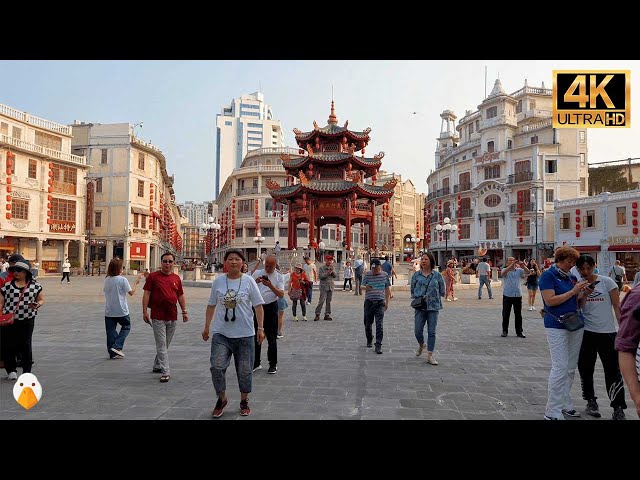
332	92
485	81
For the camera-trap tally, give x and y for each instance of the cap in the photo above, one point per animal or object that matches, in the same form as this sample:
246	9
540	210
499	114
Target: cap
299	265
16	257
375	263
22	264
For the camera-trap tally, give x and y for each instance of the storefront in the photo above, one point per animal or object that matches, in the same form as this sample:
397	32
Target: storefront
627	250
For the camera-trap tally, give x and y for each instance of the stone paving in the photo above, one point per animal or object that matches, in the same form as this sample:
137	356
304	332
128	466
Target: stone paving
325	371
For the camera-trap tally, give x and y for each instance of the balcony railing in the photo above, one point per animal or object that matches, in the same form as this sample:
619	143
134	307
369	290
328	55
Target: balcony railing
461	187
520	177
534	90
248	191
55	154
467	212
526	207
431	196
35	121
273	151
536	126
443	191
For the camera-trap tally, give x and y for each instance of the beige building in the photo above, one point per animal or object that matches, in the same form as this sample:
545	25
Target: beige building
407	211
42	188
133	211
605	226
247	186
498	173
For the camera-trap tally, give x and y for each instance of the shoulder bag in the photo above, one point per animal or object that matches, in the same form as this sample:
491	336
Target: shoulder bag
7	318
419	303
572	321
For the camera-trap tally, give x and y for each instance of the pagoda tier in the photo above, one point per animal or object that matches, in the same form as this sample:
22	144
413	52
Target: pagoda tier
326	161
330	188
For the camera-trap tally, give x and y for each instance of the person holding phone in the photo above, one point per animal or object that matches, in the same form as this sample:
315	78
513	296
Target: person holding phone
602	303
377	293
512	296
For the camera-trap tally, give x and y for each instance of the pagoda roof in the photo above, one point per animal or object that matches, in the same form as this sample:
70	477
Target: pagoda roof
332	158
340	187
332	129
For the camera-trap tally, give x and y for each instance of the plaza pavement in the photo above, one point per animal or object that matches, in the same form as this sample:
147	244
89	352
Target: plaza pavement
325	371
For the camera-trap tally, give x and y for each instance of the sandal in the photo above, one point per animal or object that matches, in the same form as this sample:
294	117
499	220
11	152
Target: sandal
432	361
164	378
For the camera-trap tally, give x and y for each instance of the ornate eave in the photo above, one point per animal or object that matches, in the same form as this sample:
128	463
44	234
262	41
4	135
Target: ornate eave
325	158
330	131
331	188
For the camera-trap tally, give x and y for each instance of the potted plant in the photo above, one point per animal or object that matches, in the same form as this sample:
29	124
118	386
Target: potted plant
467	275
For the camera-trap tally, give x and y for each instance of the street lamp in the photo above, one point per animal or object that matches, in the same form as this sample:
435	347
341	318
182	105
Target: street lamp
534	191
446	229
414	240
211	226
258	239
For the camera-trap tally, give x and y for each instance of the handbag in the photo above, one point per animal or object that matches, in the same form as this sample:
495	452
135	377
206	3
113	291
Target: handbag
572	321
6	319
295	294
419	303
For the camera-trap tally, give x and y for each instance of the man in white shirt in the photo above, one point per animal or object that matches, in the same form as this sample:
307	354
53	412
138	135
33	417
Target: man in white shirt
618	274
66	270
271	285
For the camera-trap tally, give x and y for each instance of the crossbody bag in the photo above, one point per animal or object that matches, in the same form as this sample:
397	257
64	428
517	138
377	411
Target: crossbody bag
419	303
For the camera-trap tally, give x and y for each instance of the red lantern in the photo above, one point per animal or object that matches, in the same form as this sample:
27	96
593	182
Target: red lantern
8	188
49	221
577	219
578	234
8	198
578	226
635	231
49	197
8	180
50	181
634	213
634	222
50	173
50	190
8	206
8	216
50	165
634	205
9	171
577	211
520	239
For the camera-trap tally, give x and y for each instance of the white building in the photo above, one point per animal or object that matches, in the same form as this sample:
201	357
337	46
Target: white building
246	124
604	226
498	173
196	213
42	186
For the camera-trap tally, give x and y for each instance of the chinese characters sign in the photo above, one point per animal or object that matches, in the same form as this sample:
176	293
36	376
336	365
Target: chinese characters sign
62	226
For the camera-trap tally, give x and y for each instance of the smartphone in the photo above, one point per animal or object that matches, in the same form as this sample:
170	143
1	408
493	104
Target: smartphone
265	277
593	285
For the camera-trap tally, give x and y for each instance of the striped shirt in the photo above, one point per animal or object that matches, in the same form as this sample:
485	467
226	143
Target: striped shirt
378	283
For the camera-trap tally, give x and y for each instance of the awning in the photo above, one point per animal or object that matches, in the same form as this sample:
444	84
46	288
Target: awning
141	211
632	247
587	248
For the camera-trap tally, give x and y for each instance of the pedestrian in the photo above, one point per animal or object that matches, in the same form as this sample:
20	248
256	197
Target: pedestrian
636	280
327	276
282	301
35	267
449	280
562	295
162	290
21	296
233	297
483	271
116	310
512	295
311	271
6	276
348	275
377	293
619	274
297	292
603	301
278	247
428	284
532	282
271	285
66	270
387	268
358	270
627	343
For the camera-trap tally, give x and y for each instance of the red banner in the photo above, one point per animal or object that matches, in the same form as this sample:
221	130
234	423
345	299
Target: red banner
138	251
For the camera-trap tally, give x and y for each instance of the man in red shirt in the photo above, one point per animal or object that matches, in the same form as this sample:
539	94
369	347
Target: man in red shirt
162	290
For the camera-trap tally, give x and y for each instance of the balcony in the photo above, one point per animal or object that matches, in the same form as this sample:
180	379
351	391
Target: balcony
273	151
532	90
520	177
526	207
248	191
536	126
431	196
466	213
462	187
433	218
35	121
46	152
443	191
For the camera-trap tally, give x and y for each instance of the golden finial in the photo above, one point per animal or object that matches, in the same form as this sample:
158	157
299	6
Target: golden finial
333	120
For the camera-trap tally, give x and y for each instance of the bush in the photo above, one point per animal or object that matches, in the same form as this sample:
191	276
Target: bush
468	271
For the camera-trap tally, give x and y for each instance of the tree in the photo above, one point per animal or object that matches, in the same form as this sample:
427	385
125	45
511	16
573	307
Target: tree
609	179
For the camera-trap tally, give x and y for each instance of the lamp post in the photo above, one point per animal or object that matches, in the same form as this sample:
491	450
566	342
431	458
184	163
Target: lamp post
210	227
446	229
413	241
534	191
258	239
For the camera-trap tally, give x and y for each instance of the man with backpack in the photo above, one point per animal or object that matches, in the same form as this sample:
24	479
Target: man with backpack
358	268
618	274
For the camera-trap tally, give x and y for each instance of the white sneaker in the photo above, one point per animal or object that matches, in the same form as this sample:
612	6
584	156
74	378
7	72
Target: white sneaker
304	319
12	376
533	308
448	299
259	367
295	319
119	353
455	298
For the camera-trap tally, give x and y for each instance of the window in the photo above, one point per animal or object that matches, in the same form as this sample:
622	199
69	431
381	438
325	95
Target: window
490	147
248	105
477	125
47	140
254	125
332	234
519	107
492	171
464	179
103	159
284	232
465	230
583	136
301	232
33	168
4	128
141	161
98	185
245	206
492	200
534	139
465	203
140	188
532	104
493	228
522	167
19	209
17	133
228	124
526	228
255	183
64	179
136	220
64	210
98	220
251	232
268	232
470	128
143	221
551	166
583	159
621	215
591	219
565	221
474	154
549	194
509	144
325	234
492	112
238	233
583	184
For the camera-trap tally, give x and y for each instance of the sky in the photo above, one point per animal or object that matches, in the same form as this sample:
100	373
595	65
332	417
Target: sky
400	100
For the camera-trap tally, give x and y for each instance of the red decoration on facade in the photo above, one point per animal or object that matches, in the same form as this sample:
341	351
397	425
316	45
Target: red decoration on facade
578	234
634	213
634	222
635	230
634	205
577	211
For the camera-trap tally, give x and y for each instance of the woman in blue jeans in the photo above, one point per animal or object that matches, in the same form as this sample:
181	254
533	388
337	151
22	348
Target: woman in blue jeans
428	283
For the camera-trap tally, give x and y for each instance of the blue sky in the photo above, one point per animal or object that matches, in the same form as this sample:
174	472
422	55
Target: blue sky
178	102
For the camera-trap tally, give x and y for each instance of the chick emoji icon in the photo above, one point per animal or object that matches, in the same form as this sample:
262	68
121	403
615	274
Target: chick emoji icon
27	390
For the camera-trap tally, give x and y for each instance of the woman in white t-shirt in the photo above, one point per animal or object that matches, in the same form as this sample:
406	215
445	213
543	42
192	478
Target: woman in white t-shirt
233	294
602	303
116	310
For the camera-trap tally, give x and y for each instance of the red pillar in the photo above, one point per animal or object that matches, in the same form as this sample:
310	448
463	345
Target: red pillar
291	228
312	222
348	233
372	226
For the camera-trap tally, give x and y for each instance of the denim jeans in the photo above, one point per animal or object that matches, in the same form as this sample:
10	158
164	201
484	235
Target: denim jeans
221	350
116	339
373	311
429	317
564	347
310	293
485	280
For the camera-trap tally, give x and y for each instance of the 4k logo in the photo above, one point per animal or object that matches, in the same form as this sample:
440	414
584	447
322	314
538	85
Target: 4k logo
591	98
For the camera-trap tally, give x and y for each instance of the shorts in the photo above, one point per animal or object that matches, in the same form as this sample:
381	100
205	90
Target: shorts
532	286
282	304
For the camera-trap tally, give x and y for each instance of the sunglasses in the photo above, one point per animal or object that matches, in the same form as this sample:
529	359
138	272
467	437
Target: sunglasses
167	261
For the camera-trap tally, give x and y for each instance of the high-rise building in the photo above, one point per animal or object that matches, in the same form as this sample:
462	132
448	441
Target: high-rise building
196	213
246	124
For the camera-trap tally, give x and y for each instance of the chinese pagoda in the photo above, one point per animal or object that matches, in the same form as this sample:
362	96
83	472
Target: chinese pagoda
327	185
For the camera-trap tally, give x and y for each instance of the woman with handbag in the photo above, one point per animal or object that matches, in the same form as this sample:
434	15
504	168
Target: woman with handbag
563	296
297	292
20	300
427	286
